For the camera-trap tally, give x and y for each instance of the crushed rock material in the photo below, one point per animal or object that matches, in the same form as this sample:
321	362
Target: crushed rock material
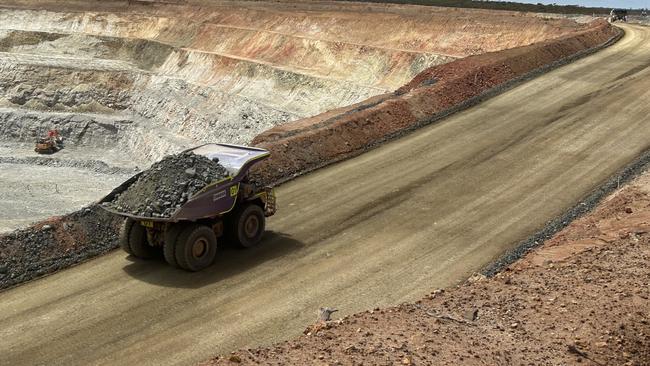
57	243
96	166
168	184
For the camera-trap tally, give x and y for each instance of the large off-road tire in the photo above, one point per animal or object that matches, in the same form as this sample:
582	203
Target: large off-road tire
196	247
247	225
125	232
133	239
169	248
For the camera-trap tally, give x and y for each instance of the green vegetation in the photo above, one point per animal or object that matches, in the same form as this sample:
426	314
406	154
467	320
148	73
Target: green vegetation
503	5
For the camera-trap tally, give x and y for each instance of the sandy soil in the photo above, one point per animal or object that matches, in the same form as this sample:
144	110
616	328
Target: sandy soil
583	297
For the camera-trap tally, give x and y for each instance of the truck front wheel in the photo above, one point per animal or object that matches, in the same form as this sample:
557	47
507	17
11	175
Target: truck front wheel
249	223
133	240
196	247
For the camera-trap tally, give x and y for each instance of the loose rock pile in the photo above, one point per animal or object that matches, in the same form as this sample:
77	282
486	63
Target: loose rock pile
168	184
56	244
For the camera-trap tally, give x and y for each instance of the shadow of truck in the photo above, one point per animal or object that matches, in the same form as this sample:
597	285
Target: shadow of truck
229	262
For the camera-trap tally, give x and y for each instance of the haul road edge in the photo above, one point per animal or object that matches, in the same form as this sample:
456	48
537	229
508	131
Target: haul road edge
232	208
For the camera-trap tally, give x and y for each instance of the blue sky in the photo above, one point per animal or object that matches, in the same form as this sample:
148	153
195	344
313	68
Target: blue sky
603	3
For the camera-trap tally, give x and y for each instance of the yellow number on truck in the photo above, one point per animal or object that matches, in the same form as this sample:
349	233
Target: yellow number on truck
233	190
146	223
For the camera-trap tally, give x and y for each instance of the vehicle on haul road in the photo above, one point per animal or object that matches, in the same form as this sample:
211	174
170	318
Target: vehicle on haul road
618	14
232	208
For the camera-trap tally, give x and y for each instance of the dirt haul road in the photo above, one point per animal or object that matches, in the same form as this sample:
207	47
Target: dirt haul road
418	213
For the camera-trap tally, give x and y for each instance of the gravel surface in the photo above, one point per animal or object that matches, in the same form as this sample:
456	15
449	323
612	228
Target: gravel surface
96	166
581	298
32	193
169	183
633	170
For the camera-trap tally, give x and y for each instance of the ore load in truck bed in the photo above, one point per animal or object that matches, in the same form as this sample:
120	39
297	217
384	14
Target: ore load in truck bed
168	184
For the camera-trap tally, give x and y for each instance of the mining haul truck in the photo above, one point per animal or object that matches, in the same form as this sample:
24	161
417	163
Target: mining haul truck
618	14
232	208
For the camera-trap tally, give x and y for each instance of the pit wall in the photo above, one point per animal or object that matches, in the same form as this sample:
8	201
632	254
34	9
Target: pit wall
79	129
141	53
228	71
304	145
115	135
302	31
62	89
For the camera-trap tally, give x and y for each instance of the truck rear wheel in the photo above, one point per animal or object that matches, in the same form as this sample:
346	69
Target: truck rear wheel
249	225
169	247
196	247
133	239
125	231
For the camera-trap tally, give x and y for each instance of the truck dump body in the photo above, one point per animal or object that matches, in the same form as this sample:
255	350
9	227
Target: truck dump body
216	198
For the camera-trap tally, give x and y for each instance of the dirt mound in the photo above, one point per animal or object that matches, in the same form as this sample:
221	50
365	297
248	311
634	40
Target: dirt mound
582	297
162	189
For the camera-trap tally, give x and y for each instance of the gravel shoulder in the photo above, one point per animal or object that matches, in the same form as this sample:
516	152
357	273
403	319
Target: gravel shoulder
582	297
37	187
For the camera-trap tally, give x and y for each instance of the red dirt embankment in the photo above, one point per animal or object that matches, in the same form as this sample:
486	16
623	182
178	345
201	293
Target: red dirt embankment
307	144
581	298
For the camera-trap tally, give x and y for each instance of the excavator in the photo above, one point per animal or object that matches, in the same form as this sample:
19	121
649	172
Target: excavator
50	144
